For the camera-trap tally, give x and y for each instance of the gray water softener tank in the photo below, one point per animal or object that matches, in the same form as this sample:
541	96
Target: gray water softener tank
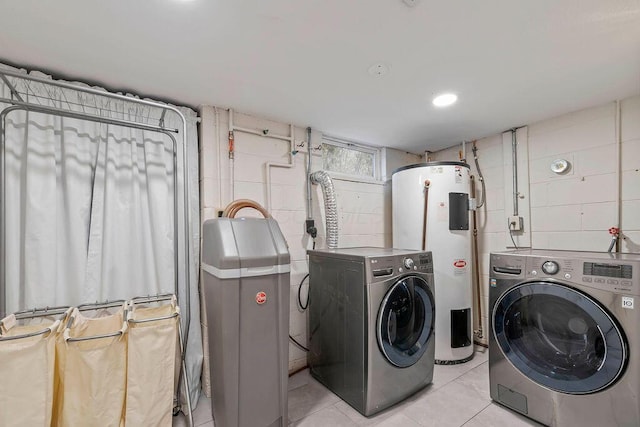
246	265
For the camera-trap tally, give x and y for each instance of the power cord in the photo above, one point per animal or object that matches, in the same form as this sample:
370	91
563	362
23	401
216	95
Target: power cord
303	348
512	224
302	306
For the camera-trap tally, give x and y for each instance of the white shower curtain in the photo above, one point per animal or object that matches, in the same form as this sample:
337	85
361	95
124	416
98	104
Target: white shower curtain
89	208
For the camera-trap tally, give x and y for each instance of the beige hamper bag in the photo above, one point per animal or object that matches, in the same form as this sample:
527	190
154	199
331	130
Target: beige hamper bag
152	361
92	370
27	360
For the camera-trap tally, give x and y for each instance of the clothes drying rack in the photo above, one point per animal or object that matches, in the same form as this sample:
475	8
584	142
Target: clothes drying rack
78	105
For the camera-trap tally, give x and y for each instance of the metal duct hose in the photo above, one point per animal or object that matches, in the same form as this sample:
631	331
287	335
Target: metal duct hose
330	206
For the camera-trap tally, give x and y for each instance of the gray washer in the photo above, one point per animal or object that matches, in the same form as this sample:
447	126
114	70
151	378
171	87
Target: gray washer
245	265
371	316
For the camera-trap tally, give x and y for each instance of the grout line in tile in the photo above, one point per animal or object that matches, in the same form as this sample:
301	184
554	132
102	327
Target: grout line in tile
478	413
464	373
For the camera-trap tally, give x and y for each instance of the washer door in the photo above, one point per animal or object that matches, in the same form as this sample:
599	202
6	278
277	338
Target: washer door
559	337
405	321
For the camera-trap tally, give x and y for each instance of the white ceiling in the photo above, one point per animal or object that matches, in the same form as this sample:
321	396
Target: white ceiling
306	61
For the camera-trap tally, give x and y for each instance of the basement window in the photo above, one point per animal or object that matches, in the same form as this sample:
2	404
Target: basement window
350	159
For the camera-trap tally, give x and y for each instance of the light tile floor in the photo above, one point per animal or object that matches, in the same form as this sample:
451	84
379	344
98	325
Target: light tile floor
459	396
201	415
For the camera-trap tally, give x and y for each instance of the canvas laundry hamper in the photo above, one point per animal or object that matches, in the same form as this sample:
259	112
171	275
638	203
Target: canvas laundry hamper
27	363
153	360
91	364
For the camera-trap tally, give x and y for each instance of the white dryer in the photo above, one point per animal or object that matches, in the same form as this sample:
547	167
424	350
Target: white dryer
371	324
564	347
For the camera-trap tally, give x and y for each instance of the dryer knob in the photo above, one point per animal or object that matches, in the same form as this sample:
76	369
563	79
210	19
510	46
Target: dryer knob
408	263
550	267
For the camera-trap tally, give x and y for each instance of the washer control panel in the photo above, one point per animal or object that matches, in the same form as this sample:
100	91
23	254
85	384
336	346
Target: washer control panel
408	263
618	271
618	276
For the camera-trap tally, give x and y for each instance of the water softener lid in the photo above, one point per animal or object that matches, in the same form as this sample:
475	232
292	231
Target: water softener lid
243	243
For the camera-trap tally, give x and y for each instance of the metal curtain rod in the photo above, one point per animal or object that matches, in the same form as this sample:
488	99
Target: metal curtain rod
100	305
40	312
85	116
4	72
152	298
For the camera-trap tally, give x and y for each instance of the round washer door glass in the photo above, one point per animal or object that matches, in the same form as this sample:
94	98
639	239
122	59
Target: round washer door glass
559	337
405	321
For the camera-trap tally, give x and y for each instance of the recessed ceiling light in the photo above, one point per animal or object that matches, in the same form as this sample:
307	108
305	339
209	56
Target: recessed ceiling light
445	99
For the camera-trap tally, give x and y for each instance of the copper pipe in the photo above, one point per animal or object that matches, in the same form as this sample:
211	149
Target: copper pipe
232	208
231	145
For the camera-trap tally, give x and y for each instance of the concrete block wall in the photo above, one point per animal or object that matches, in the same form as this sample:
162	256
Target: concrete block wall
573	210
364	207
630	174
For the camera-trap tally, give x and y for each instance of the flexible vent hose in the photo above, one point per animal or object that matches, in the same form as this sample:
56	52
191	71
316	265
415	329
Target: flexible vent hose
330	206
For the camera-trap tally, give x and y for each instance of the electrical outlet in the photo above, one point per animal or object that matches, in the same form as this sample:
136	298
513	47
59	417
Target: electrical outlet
310	228
516	223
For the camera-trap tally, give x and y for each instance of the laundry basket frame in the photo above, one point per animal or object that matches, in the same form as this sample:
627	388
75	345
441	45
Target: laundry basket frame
22	98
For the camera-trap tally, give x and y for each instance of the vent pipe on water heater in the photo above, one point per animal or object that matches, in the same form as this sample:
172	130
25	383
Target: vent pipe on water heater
330	206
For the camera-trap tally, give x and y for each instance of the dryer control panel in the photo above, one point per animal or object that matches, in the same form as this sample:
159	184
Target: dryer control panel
383	267
424	263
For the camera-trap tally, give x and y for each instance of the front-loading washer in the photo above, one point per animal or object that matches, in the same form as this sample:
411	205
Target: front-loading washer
371	324
565	343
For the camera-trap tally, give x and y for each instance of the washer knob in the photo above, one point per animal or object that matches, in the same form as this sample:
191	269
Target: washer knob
550	267
408	263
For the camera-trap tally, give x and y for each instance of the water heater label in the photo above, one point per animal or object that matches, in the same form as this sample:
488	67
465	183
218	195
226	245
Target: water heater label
459	267
627	302
261	298
458	174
